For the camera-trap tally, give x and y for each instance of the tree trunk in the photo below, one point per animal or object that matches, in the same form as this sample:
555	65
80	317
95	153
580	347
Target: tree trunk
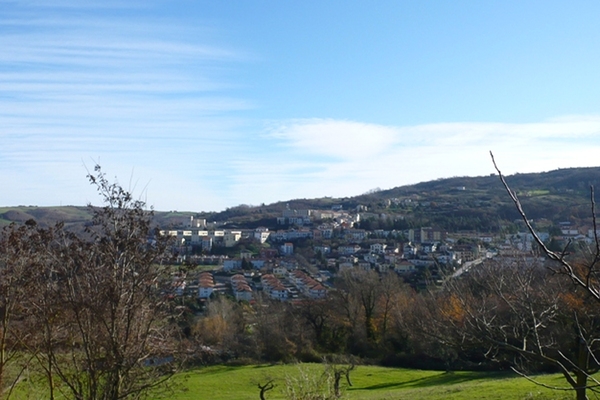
581	373
580	390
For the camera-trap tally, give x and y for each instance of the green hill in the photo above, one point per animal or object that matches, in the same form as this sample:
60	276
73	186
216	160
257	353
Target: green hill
458	203
70	215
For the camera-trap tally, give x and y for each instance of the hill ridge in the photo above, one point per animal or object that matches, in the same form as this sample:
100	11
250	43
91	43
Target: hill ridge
460	202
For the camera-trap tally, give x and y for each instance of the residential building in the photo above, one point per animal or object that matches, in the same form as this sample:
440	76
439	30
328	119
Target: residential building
287	249
206	285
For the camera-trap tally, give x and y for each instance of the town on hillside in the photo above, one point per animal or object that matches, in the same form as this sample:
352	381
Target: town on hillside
302	258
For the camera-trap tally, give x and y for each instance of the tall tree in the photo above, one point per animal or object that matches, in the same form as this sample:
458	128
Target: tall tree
109	332
360	290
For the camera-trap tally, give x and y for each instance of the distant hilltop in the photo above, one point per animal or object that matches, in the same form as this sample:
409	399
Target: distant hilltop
458	203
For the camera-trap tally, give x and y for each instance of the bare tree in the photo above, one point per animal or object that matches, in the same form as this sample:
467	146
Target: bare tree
18	253
43	304
106	329
310	384
521	314
276	330
221	324
371	301
264	388
325	322
360	291
393	295
582	275
339	367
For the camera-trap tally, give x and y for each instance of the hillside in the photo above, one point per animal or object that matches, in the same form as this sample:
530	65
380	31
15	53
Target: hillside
459	203
70	215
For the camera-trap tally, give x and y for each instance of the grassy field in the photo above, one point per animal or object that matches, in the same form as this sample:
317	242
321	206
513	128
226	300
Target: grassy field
369	382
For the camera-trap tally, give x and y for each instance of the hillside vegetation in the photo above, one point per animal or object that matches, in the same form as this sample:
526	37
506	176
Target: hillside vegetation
459	203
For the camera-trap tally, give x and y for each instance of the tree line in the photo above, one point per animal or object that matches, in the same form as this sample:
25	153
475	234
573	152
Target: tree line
84	315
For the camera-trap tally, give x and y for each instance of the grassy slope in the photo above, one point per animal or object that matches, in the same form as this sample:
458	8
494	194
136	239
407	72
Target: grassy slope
74	217
45	215
369	382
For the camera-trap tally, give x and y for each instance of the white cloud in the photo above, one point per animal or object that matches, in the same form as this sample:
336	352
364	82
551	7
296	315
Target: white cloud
341	139
318	158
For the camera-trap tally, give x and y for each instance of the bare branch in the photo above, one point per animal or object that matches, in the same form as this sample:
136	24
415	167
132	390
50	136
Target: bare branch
560	258
530	379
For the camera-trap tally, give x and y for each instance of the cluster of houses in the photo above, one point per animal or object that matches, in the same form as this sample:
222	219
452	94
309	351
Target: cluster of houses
291	285
205	239
306	217
274	287
286	285
198	234
307	284
337	243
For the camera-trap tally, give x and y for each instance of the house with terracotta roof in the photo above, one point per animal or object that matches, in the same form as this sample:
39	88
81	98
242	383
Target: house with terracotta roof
240	287
242	292
307	284
404	267
273	287
206	285
317	291
279	292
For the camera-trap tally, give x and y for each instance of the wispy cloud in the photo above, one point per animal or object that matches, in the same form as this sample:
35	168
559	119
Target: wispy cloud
115	83
343	158
338	139
79	82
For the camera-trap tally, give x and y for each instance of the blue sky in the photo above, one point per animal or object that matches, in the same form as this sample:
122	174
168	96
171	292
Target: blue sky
202	105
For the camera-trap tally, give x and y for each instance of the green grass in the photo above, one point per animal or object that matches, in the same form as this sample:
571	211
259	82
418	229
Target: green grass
535	192
203	267
369	382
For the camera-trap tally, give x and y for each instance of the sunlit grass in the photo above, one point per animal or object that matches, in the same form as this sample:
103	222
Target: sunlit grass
369	382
